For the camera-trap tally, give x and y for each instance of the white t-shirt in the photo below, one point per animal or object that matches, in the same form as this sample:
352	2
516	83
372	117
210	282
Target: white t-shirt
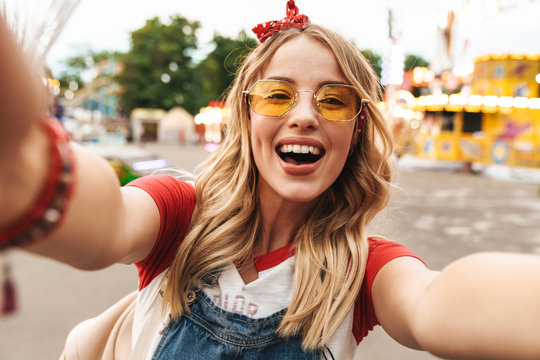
271	292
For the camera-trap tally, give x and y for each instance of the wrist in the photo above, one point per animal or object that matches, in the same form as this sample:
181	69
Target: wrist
40	215
25	167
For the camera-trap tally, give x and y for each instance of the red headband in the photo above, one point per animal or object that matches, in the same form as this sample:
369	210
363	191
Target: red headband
293	19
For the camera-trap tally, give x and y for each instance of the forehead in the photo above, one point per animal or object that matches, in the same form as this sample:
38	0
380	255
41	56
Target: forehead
304	60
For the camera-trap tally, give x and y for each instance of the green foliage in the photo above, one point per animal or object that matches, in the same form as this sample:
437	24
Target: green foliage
374	59
218	69
66	78
158	69
412	61
76	67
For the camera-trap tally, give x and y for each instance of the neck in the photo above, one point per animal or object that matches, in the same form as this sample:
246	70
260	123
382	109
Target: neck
281	220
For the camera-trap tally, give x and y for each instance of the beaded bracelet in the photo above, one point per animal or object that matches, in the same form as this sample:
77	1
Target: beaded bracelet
49	210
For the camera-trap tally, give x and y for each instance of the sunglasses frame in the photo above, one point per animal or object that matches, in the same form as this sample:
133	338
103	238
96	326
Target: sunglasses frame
295	100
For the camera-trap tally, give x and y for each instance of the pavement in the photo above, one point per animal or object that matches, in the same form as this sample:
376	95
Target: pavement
441	215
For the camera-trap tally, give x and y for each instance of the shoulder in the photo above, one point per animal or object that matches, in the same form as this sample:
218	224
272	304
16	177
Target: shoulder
161	186
173	197
399	281
382	251
175	200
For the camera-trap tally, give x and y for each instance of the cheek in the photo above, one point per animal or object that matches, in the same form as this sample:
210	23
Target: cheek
262	128
256	132
342	139
341	144
262	134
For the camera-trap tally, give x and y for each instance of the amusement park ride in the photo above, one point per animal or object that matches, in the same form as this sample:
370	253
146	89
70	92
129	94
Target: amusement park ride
497	122
490	115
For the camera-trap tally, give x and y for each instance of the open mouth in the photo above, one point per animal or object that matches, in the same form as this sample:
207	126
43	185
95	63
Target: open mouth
299	154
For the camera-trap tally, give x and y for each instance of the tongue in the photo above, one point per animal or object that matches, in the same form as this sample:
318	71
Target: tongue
299	159
290	160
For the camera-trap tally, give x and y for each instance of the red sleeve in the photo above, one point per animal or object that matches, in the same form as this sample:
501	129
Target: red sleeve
175	200
380	253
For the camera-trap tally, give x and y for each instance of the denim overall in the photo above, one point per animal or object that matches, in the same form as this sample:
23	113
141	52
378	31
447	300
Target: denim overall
209	332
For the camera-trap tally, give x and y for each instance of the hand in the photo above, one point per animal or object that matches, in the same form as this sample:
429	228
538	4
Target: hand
23	144
22	94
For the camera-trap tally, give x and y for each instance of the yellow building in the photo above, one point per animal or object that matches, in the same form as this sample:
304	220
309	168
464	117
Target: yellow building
506	75
498	124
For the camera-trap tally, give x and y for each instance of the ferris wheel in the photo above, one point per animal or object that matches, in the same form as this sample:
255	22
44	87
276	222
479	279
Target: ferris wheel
455	20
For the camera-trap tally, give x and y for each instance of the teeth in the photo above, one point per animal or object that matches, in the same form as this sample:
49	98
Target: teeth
314	150
299	149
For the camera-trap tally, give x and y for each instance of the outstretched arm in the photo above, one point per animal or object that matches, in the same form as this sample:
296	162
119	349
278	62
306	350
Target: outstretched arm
484	306
103	224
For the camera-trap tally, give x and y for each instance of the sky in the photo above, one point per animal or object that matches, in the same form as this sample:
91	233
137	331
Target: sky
107	24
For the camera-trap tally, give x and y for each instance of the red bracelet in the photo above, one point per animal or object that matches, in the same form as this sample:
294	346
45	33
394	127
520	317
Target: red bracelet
49	210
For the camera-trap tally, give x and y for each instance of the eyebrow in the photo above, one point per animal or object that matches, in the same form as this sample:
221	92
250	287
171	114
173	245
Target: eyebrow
292	82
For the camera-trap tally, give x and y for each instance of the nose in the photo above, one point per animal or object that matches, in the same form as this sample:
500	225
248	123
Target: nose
303	114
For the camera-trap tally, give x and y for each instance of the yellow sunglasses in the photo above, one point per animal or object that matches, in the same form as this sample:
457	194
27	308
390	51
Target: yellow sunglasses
335	102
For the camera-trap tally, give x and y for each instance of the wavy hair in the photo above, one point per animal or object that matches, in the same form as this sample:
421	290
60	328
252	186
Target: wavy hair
331	247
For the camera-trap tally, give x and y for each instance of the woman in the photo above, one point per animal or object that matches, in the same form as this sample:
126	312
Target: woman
267	255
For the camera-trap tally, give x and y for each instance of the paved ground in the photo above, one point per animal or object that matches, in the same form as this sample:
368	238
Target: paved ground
441	215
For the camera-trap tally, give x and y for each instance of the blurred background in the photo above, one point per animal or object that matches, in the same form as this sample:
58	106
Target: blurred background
142	84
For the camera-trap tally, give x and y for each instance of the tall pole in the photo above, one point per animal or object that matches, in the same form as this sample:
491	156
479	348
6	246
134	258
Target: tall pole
392	72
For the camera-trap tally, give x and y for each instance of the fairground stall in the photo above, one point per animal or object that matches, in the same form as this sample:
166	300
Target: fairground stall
496	122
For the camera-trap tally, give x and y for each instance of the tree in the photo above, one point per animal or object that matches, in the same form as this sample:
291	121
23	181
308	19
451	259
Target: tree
218	69
158	69
374	59
77	67
412	61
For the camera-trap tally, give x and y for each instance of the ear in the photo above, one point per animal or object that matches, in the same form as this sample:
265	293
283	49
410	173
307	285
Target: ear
359	124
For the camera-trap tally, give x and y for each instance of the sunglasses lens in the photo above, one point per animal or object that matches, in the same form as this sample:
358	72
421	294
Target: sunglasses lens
271	98
338	102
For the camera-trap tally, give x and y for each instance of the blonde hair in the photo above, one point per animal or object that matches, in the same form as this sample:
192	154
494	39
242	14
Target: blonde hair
331	246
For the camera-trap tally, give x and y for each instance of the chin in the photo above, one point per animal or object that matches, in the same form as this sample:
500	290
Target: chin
301	194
